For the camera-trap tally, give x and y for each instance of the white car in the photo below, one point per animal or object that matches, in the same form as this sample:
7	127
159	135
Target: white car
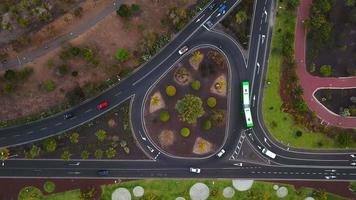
330	177
353	164
221	153
183	50
194	170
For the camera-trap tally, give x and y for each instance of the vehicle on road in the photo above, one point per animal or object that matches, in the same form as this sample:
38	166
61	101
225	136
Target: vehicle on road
222	10
221	153
212	6
102	105
246	103
269	153
103	172
353	155
248	117
194	170
209	24
353	164
68	115
183	50
330	177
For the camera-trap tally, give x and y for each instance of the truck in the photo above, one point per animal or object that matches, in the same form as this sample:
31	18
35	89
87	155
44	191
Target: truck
269	153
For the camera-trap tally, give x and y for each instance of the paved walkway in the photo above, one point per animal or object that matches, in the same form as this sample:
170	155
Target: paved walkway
311	83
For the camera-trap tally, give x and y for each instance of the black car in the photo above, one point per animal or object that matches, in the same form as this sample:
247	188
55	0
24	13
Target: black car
68	115
212	6
103	172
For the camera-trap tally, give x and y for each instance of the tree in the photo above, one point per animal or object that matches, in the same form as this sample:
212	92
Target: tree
98	154
74	138
4	154
135	8
197	57
240	16
122	54
10	75
195	85
110	152
185	132
343	139
124	11
211	102
101	135
66	155
326	70
78	12
292	4
218	117
62	69
74	51
171	90
164	116
33	152
190	108
350	3
87	54
84	154
49	186
87	194
50	145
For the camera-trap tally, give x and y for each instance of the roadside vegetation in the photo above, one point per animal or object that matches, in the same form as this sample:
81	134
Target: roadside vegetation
238	22
331	28
285	113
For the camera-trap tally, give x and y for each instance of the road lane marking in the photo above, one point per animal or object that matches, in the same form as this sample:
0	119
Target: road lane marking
44	128
30	132
88	110
117	94
17	135
59	123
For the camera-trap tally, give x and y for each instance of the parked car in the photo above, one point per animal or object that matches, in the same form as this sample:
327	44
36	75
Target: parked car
102	105
183	50
103	172
68	115
194	170
210	24
212	6
221	153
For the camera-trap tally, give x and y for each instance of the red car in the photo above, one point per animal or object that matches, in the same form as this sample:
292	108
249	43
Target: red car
102	105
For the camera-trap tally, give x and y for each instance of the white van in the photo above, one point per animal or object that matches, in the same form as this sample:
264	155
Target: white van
268	153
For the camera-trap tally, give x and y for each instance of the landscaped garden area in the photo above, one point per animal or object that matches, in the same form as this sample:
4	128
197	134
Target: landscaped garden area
106	137
340	101
186	111
331	38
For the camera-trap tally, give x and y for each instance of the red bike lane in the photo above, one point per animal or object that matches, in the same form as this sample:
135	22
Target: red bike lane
311	84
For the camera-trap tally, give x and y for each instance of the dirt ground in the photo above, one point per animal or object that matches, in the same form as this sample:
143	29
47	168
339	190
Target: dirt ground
108	35
341	54
337	99
215	135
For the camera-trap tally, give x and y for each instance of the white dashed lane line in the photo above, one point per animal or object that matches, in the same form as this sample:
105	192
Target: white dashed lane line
59	123
17	135
44	128
30	132
88	110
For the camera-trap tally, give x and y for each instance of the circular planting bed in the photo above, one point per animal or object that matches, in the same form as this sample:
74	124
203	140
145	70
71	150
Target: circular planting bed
186	110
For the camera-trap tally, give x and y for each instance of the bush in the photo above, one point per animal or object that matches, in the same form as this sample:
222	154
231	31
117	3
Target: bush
84	154
74	138
66	155
164	116
124	11
49	186
135	8
211	102
98	154
74	73
48	85
171	90
101	135
218	117
122	54
110	153
195	85
326	70
62	69
343	139
185	132
50	145
206	125
30	193
33	152
190	108
298	133
10	75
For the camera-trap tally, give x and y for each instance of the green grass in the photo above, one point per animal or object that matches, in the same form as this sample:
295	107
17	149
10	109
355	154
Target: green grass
280	124
170	189
72	195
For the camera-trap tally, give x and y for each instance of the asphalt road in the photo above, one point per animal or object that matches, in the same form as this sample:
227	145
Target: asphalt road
289	163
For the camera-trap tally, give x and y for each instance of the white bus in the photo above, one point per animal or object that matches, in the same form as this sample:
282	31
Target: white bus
248	117
246	93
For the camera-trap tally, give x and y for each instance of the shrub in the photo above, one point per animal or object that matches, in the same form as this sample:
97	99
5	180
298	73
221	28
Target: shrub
124	11
298	133
195	85
185	132
343	139
84	154
101	135
190	108
62	69
171	90
66	155
164	116
33	152
206	125
74	73
48	85
135	8
74	138
50	145
110	152
98	154
122	54
10	75
325	70
211	102
218	117
49	186
74	51
4	153
30	193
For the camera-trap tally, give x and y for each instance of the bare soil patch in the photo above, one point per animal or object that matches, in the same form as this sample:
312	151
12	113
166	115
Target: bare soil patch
201	141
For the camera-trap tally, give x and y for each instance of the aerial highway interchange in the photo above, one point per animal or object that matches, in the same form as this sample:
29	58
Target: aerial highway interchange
251	66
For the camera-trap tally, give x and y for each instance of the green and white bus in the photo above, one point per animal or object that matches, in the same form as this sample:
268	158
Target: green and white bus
246	103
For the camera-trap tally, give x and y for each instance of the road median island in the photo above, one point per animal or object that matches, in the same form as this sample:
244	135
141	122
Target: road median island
281	122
